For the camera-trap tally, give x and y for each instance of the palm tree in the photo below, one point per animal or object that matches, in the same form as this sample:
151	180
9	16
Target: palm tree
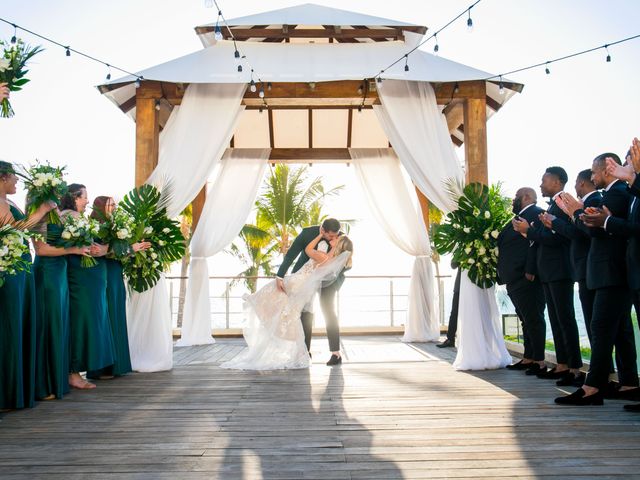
186	221
256	254
286	204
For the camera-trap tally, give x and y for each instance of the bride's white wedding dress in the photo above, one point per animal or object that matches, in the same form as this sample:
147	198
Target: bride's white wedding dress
273	330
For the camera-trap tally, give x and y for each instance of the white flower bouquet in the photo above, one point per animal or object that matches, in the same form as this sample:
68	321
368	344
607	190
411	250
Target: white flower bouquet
12	248
118	231
45	184
470	232
13	61
76	231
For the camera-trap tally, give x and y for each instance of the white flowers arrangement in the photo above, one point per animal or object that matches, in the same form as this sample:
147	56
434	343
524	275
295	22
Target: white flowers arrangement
77	231
45	184
12	248
118	232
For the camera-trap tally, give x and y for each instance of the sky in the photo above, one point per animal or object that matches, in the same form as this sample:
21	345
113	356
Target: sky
586	106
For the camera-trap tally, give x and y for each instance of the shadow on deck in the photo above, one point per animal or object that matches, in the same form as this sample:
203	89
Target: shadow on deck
393	410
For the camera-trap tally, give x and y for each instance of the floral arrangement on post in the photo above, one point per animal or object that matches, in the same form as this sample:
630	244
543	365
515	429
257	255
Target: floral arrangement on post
77	231
12	248
45	184
147	206
470	232
13	61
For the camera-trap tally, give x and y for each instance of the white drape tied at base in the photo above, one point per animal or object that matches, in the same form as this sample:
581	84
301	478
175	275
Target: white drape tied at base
225	211
191	145
479	340
390	200
417	129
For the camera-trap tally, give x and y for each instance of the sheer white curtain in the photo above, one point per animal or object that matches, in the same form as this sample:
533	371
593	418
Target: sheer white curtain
226	209
191	145
390	200
417	129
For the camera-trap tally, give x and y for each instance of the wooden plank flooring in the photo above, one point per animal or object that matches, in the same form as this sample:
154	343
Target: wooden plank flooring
391	411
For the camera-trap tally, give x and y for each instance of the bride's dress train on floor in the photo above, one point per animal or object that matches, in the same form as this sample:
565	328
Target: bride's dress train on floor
273	330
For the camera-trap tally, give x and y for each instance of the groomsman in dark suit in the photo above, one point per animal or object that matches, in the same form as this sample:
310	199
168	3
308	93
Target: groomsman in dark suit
580	242
517	269
606	274
554	270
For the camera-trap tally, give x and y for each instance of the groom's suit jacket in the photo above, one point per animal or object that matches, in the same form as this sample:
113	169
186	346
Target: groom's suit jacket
296	250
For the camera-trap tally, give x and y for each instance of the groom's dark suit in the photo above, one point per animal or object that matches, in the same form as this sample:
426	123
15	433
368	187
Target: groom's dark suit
327	294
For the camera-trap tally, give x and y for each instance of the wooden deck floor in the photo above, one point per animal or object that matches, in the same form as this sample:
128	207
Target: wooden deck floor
391	411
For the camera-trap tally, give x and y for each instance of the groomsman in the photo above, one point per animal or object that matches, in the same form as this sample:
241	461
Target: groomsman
580	242
554	270
517	269
606	274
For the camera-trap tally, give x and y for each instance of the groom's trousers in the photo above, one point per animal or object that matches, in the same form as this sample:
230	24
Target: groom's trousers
328	297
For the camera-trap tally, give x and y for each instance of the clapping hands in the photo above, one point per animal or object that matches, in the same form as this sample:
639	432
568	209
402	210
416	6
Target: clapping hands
568	203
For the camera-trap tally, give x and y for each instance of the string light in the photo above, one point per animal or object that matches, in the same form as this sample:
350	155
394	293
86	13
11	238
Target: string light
501	86
546	69
68	53
406	63
261	91
269	86
109	72
606	47
470	21
157	104
436	47
217	32
14	39
434	35
138	82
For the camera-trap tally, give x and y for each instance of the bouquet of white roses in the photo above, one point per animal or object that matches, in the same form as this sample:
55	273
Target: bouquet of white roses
12	248
143	269
470	233
45	184
77	231
13	61
118	232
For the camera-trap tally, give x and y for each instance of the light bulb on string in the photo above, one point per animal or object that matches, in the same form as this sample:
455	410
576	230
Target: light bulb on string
469	23
14	39
269	86
252	86
261	92
218	33
501	86
138	82
239	68
606	47
406	63
546	69
68	51
109	72
157	105
236	54
436	47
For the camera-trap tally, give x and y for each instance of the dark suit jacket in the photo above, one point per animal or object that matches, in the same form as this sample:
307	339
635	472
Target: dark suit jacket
630	229
516	255
553	258
296	250
580	239
606	263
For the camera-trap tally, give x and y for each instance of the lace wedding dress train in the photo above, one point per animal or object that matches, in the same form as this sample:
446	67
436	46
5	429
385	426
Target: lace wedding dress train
273	330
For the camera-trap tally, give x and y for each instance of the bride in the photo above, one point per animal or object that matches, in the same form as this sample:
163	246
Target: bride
273	330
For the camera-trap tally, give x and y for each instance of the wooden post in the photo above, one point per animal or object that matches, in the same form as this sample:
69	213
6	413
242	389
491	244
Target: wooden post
147	130
196	207
424	206
475	135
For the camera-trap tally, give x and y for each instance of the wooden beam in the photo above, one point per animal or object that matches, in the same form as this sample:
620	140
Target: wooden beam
310	128
424	207
349	127
147	130
454	113
306	154
271	140
475	139
197	206
345	34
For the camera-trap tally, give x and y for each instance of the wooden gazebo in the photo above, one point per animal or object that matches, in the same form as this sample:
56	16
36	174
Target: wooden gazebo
344	105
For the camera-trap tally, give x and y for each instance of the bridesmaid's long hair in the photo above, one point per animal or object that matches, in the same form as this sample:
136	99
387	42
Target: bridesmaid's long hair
344	244
68	201
100	208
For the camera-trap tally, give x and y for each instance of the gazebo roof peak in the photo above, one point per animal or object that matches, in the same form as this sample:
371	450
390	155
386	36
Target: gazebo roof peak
310	21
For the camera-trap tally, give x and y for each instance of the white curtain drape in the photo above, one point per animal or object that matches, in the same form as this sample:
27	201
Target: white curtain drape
417	129
191	145
388	195
479	340
226	209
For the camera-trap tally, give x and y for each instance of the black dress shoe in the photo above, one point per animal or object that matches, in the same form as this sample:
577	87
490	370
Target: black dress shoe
579	399
535	369
568	379
334	360
552	374
630	394
633	408
520	365
446	344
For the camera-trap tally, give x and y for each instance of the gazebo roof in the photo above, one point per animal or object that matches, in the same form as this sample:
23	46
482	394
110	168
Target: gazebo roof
310	21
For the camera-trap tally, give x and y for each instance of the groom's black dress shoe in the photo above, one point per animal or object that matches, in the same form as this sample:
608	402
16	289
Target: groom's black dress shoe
535	369
446	344
517	366
633	408
334	360
579	399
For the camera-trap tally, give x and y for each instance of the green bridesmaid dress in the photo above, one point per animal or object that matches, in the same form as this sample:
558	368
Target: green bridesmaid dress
17	336
91	342
52	326
117	305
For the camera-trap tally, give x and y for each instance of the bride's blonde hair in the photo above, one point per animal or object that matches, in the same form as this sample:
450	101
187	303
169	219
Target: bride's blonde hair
344	244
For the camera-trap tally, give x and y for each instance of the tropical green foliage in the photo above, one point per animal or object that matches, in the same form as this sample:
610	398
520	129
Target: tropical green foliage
13	61
470	232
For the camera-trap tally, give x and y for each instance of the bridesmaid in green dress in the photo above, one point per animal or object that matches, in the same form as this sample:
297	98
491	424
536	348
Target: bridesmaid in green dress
103	208
91	342
18	312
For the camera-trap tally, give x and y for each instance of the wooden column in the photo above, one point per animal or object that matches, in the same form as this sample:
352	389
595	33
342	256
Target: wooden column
147	130
475	135
424	207
196	207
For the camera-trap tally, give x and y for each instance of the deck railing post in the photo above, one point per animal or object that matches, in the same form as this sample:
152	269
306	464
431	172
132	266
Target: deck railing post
226	303
391	300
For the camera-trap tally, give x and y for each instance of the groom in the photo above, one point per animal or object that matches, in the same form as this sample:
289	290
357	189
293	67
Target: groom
330	230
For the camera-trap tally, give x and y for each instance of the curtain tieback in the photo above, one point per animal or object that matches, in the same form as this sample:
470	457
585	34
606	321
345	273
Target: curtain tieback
199	258
423	256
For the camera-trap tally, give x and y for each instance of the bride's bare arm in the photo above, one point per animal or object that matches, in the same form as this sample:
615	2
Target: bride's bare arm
313	253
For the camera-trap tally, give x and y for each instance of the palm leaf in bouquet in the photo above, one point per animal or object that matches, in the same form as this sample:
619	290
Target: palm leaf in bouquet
12	69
